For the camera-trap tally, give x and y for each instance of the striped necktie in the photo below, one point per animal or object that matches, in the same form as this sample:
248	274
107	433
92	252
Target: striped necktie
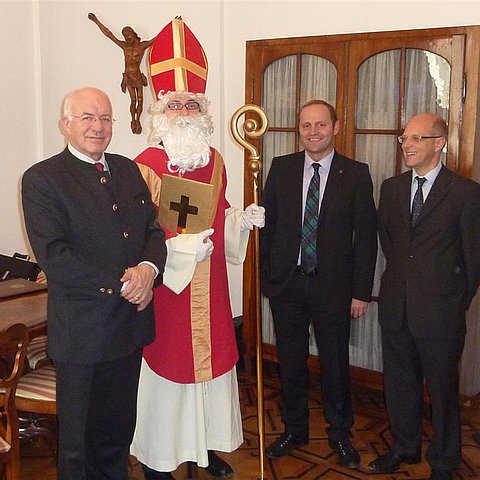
310	222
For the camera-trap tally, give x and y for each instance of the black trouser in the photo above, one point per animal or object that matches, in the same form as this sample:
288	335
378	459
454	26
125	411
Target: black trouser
293	310
407	361
96	409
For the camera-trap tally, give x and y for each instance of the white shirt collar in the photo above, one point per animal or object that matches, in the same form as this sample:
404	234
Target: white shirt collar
325	162
85	158
430	176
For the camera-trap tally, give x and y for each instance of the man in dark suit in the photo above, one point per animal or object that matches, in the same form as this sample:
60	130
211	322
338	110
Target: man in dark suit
331	287
93	229
429	226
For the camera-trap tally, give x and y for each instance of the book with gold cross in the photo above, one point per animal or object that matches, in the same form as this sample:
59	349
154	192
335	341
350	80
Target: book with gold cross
186	206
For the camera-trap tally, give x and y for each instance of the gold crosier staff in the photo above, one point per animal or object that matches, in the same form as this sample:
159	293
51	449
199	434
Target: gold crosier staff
252	129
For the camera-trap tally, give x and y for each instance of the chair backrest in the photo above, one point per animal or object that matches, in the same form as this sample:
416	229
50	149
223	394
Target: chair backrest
13	347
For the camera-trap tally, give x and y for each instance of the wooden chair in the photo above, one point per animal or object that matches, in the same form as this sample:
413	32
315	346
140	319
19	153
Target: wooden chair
37	356
13	346
35	399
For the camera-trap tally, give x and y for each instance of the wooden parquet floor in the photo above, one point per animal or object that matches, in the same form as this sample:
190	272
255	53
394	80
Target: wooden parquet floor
315	461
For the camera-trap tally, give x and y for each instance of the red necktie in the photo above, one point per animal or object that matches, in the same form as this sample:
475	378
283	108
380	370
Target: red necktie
99	166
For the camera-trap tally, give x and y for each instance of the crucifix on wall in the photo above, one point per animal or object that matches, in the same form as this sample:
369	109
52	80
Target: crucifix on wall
133	79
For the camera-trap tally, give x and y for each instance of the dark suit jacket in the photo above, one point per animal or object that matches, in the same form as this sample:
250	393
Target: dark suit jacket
433	269
346	240
85	229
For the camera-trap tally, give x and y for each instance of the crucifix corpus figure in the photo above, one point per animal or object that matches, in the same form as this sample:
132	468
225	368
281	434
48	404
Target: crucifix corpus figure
133	79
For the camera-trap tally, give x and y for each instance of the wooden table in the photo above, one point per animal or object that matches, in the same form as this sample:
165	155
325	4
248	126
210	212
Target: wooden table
28	309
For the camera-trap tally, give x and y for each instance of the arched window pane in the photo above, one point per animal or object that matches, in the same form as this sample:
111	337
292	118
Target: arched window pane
319	80
279	92
427	84
378	91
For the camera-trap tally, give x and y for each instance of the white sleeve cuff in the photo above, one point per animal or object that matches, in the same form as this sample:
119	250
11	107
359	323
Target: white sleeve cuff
181	253
236	240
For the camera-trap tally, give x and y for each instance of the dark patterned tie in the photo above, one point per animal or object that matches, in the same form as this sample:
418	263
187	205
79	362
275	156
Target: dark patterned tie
417	201
99	166
310	222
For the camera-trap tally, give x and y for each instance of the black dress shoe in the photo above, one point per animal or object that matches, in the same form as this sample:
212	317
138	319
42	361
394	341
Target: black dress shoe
441	474
347	455
217	467
391	461
284	444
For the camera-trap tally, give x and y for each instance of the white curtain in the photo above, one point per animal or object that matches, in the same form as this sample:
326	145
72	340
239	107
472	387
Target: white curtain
279	105
318	80
427	84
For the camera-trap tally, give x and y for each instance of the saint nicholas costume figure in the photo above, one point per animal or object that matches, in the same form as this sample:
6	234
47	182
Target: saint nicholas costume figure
188	404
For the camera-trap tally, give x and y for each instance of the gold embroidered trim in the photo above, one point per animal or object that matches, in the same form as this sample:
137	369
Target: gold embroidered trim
200	318
178	63
200	293
153	181
217	181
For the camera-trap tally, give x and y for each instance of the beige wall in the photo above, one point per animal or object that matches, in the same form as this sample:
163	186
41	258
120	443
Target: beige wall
18	116
49	48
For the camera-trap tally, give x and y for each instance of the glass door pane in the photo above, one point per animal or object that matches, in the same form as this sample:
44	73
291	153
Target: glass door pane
279	82
319	80
427	84
378	91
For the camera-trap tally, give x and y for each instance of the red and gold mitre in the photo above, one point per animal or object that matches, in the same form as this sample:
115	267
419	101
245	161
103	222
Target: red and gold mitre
177	60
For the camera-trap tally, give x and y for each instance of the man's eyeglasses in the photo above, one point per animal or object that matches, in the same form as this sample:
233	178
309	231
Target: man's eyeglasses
88	119
179	106
416	138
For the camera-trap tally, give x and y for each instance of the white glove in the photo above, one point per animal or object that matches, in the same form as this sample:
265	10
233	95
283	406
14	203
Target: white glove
204	245
253	216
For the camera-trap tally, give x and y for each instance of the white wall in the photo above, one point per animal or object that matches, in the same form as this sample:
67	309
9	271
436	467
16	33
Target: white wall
18	116
72	52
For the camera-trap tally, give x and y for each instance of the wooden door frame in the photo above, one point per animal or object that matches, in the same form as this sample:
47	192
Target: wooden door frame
260	53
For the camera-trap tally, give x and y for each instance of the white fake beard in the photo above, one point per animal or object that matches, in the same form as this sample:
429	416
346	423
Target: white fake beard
186	141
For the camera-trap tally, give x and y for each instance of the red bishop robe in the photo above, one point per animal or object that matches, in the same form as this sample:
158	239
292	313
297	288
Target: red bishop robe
195	337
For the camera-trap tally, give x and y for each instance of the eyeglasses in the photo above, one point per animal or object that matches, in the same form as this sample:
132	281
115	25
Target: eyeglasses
179	106
88	119
416	138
